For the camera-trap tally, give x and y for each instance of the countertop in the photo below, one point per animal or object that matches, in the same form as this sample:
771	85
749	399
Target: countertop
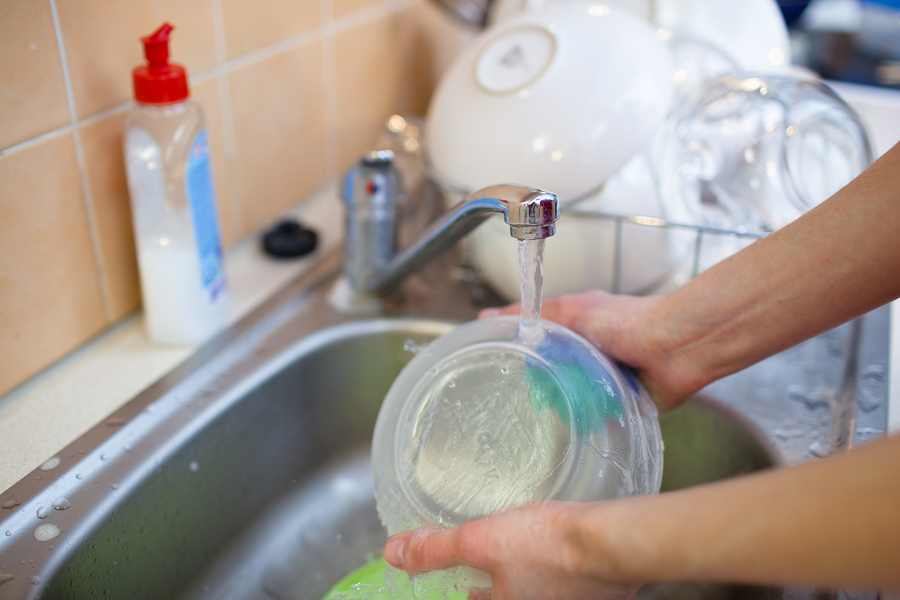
48	412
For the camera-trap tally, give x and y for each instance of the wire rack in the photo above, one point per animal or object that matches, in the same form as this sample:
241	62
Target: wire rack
700	233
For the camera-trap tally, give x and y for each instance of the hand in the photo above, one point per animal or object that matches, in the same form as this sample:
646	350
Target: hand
630	330
535	551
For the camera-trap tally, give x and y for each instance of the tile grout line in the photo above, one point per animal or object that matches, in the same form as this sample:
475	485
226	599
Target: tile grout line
82	171
227	116
329	88
108	112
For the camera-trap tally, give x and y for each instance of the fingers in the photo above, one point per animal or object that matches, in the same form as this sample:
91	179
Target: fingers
424	549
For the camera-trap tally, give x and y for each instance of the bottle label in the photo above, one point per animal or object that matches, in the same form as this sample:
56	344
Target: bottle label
202	200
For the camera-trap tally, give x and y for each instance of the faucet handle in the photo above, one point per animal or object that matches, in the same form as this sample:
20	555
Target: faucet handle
530	213
372	199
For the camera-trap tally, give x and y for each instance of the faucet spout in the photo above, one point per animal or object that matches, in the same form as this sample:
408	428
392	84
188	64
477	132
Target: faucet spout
530	213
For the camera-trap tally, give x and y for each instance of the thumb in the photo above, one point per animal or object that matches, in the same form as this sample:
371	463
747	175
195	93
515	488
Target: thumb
424	549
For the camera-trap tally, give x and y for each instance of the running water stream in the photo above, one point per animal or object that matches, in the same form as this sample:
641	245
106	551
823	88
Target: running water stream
531	275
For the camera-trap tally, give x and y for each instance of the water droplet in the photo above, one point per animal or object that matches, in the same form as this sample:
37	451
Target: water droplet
451	384
504	371
51	464
194	465
35	580
61	504
484	439
457	403
79	476
875	372
127	447
787	433
42	512
104	457
812	398
8	533
114	486
819	450
10	504
46	532
4	577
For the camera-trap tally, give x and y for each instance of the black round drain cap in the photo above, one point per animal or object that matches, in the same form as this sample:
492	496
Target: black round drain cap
289	239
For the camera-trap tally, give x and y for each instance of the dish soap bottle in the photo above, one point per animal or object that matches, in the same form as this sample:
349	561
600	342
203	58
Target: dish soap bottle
173	203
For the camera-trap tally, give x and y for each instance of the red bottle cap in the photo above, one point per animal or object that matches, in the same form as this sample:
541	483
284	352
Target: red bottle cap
159	82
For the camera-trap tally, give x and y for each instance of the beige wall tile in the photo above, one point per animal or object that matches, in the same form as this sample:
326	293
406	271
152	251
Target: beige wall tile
368	79
32	92
430	41
50	300
386	66
279	133
342	8
101	143
207	95
102	44
252	25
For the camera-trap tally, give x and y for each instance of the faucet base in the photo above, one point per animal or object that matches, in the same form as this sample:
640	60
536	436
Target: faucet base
348	300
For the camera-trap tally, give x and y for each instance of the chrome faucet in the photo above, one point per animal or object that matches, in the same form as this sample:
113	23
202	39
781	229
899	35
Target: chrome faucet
373	266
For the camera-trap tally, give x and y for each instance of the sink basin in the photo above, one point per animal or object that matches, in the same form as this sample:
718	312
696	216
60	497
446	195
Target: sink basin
245	474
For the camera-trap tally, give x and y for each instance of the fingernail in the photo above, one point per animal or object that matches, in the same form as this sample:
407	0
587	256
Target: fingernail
393	552
488	312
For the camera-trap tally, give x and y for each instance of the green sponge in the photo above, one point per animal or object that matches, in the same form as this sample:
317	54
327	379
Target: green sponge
369	583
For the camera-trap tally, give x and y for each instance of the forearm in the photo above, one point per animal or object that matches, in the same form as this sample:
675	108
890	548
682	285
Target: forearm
832	523
837	262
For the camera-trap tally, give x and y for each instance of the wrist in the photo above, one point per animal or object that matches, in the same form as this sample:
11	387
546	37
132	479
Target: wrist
677	358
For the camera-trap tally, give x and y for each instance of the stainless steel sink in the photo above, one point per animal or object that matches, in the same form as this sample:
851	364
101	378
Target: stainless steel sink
244	473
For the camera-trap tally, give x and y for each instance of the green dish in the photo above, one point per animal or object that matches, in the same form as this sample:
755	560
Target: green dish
369	583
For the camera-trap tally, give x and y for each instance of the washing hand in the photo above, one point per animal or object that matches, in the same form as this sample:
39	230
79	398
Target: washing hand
534	551
630	330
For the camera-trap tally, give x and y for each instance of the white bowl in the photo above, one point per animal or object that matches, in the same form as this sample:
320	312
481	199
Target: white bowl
557	98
